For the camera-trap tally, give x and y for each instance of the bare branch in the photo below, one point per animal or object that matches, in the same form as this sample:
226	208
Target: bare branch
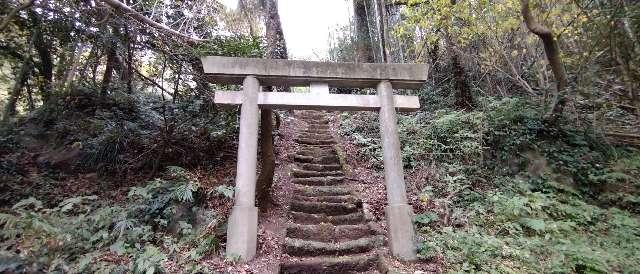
13	12
143	19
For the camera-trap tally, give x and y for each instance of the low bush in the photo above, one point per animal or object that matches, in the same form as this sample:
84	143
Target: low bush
163	219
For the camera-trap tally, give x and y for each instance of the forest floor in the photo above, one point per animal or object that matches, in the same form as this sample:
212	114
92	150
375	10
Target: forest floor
570	206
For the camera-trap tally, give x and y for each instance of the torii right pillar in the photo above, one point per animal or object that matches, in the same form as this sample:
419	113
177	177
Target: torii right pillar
398	212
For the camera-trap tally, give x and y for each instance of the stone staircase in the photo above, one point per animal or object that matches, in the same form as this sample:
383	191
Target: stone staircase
328	231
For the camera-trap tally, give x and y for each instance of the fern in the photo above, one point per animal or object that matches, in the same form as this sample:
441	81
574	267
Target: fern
9	225
68	204
28	202
122	226
149	261
184	192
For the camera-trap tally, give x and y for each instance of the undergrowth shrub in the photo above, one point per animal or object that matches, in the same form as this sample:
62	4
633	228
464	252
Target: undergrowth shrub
160	220
518	230
510	194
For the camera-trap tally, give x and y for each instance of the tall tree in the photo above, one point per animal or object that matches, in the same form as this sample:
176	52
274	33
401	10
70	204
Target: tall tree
382	22
276	49
552	51
364	48
463	96
45	65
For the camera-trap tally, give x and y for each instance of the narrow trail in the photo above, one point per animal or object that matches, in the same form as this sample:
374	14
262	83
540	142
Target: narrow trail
327	230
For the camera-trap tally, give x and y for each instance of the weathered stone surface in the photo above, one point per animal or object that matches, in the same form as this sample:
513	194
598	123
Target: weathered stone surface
320	136
308	141
242	232
331	209
318	131
329	232
306	218
327	220
319	167
321	190
276	72
325	160
400	233
399	213
329	264
330	199
242	227
300	247
316	151
318	181
297	173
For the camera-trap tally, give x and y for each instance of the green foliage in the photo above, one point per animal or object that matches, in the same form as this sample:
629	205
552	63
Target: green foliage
148	261
533	232
233	46
225	190
425	218
510	194
76	235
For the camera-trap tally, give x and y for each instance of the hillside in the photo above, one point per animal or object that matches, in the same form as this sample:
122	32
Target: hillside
116	155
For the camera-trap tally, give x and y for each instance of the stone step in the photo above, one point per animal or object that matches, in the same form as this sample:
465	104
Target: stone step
329	233
318	181
330	199
316	151
318	119
316	191
311	116
329	264
317	136
307	141
299	173
314	124
330	209
310	219
319	167
313	130
325	160
299	247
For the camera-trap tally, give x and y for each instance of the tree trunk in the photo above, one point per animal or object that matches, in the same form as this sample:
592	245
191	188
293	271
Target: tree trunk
276	49
268	159
552	51
202	86
30	102
70	74
127	68
66	62
364	49
382	15
21	79
276	45
45	66
630	70
112	60
463	97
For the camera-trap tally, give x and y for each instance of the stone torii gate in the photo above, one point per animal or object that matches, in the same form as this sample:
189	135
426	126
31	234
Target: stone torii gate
252	73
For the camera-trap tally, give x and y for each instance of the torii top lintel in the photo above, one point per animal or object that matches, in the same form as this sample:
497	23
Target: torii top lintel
272	72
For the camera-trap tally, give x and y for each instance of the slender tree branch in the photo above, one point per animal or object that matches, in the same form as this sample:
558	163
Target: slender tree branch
13	12
151	81
143	19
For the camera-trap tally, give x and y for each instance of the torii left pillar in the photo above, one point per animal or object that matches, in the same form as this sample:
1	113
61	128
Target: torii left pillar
242	228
